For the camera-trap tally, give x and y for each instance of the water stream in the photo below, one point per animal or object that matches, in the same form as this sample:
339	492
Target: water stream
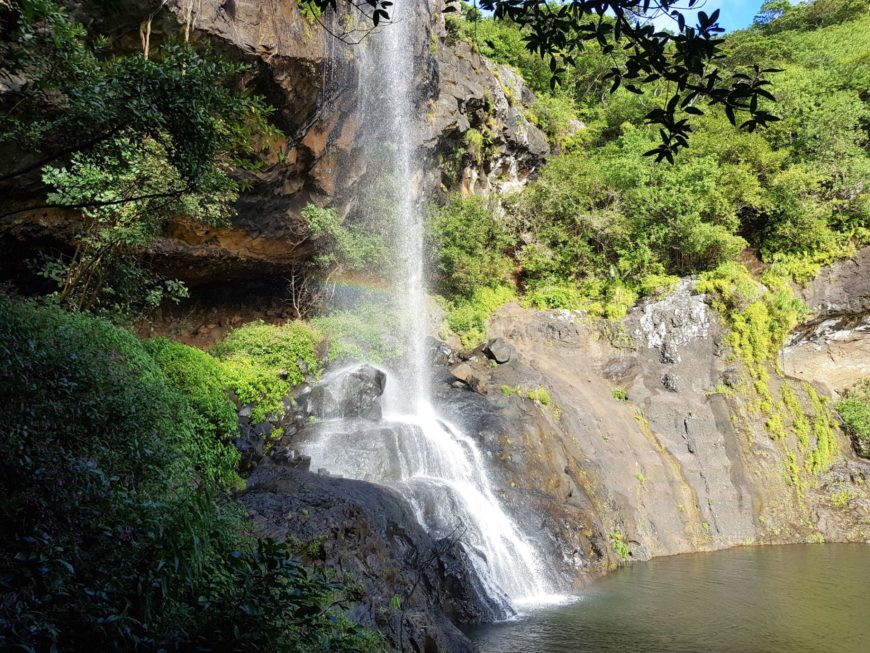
440	470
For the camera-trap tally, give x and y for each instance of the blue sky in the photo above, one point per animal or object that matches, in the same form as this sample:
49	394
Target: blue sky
735	14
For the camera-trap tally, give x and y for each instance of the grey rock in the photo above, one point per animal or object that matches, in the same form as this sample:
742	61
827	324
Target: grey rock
348	393
499	350
375	537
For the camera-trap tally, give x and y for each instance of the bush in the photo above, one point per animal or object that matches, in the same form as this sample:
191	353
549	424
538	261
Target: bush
467	245
855	411
263	361
467	317
365	333
116	533
202	380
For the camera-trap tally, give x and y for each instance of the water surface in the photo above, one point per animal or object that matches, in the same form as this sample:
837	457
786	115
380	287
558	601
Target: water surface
789	599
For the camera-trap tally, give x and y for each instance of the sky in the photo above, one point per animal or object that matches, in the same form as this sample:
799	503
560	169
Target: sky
735	14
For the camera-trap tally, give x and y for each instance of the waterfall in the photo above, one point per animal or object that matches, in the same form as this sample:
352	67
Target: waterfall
438	469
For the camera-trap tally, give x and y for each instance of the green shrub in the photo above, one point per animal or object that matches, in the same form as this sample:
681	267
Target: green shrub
202	380
467	317
364	333
263	361
619	545
539	394
117	533
855	411
467	244
619	394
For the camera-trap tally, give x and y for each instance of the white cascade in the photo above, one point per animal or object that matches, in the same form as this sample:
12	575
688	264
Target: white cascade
438	469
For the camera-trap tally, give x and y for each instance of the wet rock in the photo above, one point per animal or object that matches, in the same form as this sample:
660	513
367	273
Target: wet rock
499	350
291	458
347	394
373	536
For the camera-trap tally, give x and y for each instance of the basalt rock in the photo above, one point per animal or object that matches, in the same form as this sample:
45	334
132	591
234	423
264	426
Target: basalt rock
370	532
311	78
689	462
347	394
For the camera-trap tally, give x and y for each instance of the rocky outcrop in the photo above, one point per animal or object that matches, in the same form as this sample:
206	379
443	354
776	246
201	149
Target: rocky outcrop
414	587
476	94
311	78
832	347
649	433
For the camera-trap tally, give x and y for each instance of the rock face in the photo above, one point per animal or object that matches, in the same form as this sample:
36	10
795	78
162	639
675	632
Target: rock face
311	78
833	346
415	587
649	433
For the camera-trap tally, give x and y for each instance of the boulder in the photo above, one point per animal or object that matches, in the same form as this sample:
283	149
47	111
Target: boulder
374	536
349	393
499	350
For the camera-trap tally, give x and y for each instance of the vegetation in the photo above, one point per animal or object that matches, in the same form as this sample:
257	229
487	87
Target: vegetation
619	545
603	225
682	59
263	361
118	529
362	333
466	316
125	142
539	393
855	412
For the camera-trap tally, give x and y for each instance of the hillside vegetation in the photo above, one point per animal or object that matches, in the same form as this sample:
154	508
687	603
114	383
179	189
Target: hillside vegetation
603	224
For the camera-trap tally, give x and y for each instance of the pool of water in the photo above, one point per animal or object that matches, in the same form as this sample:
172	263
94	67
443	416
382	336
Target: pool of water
789	599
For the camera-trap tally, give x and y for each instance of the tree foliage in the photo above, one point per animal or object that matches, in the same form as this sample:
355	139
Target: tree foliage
685	58
117	529
126	142
601	225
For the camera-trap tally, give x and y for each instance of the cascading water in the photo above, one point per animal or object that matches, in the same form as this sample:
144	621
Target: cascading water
439	470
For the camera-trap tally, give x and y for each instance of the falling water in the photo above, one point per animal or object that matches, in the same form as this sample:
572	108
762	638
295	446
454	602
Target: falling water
440	470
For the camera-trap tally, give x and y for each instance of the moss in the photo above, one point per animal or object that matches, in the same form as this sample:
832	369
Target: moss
759	317
619	545
538	394
799	421
822	456
841	499
793	471
775	427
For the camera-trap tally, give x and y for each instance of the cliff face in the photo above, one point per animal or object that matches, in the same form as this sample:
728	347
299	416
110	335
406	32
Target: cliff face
833	346
651	437
311	77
